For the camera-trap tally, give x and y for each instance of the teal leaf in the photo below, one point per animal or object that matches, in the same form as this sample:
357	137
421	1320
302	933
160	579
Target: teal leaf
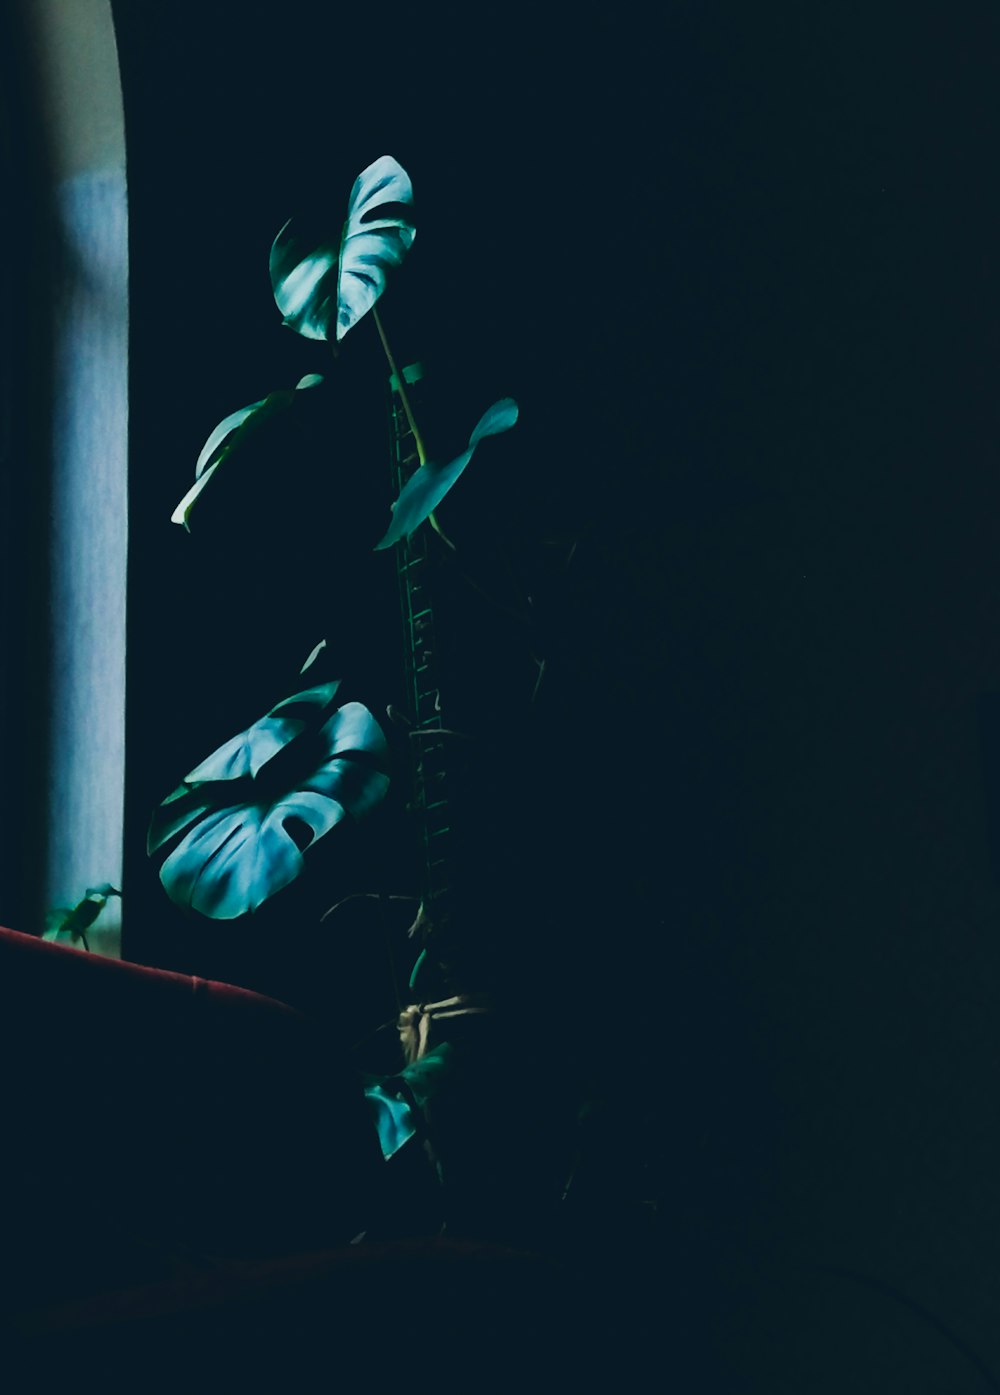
398	1102
417	970
178	811
352	728
304	281
376	237
393	1119
428	485
424	1079
235	859
101	893
314	654
72	924
245	820
247	753
329	282
309	702
232	433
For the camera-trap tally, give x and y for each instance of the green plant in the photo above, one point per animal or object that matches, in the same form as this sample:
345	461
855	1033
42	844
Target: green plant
240	822
324	284
236	828
69	925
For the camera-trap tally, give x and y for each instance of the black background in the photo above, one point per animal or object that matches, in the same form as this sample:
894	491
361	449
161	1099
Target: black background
545	268
739	270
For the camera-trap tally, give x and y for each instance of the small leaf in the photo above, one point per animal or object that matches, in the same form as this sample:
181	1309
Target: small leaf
393	1118
494	421
247	753
428	485
398	1102
75	922
314	654
231	433
423	1079
417	970
105	890
329	281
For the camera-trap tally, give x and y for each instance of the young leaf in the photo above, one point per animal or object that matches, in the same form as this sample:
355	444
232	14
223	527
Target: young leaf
330	282
428	485
314	654
397	1102
74	923
232	433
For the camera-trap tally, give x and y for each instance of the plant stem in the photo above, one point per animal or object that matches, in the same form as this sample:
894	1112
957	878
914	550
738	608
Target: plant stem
400	387
432	519
411	420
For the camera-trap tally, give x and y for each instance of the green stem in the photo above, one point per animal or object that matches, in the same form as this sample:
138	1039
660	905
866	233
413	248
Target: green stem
432	519
418	440
400	387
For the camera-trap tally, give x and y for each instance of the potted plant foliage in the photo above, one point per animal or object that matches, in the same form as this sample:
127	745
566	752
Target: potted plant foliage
239	827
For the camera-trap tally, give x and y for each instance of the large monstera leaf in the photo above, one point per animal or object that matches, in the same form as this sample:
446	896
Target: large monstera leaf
323	284
232	433
244	816
428	485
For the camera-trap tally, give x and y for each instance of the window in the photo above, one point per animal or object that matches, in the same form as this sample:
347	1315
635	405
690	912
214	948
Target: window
65	462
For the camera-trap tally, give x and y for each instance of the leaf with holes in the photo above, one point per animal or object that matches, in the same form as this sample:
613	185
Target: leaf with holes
428	485
232	433
244	817
323	282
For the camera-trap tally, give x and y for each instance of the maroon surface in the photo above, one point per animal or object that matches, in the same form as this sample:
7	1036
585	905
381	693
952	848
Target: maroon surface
152	1119
183	1167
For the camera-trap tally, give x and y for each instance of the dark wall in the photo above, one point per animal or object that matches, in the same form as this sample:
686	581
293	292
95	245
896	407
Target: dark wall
536	272
26	417
739	270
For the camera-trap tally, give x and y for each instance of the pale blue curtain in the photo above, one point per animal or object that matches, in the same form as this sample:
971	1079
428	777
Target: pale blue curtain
68	137
87	545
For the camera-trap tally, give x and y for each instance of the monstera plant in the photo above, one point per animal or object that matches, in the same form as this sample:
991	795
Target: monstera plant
239	823
236	828
325	281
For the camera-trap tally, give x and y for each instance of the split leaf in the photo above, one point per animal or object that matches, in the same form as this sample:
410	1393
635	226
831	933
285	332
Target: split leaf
328	282
250	810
